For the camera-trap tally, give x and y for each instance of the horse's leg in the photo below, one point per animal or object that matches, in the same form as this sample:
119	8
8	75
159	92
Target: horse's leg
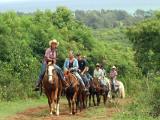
69	103
58	98
93	99
90	100
98	99
77	105
56	102
81	102
73	102
52	102
86	101
57	112
104	98
70	106
49	101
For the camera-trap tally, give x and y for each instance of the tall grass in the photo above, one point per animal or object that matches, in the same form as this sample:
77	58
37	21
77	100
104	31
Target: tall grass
146	100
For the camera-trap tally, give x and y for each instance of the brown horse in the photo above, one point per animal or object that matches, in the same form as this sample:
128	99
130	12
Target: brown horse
52	87
94	90
97	89
72	91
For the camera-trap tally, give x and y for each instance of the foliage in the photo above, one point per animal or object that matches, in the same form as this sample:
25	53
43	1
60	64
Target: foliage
145	37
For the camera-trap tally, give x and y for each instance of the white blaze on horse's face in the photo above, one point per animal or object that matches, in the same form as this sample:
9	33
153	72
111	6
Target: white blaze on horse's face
50	73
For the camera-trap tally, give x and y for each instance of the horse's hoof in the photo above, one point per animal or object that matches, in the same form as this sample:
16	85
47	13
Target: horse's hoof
70	113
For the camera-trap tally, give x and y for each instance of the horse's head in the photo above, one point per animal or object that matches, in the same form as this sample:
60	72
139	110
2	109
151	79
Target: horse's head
70	77
66	75
52	75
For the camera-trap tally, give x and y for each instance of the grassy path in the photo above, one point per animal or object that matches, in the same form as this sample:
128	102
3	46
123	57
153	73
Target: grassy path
38	110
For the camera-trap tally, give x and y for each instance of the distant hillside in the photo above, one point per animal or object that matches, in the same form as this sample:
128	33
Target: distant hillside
111	18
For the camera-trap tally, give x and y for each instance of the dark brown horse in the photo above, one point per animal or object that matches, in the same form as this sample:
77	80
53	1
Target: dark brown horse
52	87
72	91
94	91
97	90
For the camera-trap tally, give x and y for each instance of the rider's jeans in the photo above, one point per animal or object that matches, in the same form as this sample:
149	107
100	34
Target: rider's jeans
43	69
59	71
113	83
79	77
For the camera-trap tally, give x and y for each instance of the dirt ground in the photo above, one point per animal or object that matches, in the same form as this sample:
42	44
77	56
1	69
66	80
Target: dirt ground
42	113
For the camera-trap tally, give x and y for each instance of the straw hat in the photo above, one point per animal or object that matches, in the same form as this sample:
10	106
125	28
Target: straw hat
54	41
113	67
97	64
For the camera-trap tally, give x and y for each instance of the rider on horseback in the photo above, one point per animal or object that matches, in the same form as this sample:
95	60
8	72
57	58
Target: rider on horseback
98	73
83	69
50	56
71	64
113	75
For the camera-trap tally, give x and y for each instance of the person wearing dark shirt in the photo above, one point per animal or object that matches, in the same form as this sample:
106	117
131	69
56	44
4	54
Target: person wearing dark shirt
82	69
81	63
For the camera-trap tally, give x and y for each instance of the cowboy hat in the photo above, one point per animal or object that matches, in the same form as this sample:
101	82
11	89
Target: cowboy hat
53	41
113	67
97	64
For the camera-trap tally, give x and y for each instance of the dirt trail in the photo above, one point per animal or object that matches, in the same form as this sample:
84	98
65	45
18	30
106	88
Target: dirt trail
41	112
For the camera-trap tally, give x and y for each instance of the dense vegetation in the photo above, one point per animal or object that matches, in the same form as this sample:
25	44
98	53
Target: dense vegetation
24	38
145	37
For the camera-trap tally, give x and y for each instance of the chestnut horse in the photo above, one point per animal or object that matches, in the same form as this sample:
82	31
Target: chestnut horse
72	91
52	87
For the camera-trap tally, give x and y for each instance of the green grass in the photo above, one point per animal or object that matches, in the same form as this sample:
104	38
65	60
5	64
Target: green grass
96	113
11	108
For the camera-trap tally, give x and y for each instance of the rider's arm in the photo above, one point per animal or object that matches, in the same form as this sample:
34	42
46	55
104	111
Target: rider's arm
75	65
85	67
65	65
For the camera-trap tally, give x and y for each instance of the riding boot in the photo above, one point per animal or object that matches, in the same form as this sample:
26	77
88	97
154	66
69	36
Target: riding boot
37	87
41	75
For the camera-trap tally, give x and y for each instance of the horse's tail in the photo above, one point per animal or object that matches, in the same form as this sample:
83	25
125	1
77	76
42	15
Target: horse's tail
121	90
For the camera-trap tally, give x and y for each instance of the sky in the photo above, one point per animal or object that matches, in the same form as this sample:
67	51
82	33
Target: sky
33	5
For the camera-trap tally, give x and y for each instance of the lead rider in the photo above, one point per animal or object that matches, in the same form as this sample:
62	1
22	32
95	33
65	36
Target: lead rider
50	56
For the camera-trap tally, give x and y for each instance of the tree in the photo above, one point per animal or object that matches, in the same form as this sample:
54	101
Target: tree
145	37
